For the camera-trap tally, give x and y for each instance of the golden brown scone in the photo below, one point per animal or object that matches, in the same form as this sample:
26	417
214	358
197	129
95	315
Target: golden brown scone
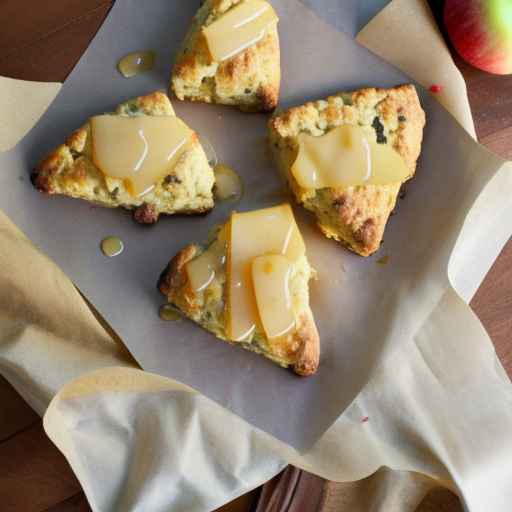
299	349
69	170
249	80
355	216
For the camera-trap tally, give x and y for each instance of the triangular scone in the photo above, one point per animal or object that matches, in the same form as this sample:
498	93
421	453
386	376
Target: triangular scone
186	188
355	216
299	348
250	79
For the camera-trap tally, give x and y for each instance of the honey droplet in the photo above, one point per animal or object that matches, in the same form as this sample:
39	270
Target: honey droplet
169	313
227	183
209	151
112	246
135	63
383	261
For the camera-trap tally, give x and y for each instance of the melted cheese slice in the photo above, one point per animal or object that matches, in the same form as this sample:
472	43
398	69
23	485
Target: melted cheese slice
346	157
241	27
202	270
271	277
252	234
138	150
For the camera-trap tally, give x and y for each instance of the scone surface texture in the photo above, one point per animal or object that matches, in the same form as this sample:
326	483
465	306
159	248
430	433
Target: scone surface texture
70	170
299	349
249	80
355	216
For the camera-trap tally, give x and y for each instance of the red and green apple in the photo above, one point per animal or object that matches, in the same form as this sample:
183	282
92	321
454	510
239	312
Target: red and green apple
481	31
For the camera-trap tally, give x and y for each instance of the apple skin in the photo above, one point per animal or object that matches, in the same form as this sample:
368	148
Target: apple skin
481	31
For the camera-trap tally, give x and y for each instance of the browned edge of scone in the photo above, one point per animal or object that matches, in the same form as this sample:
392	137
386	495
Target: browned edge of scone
146	214
400	103
42	175
174	278
230	72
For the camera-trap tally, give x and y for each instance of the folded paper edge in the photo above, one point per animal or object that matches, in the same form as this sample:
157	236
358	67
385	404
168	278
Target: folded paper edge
42	95
454	86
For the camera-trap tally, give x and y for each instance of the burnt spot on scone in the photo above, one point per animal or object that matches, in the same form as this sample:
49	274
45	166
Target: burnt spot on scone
402	118
114	193
367	233
173	277
41	182
34	174
343	206
75	154
171	179
379	130
146	214
163	282
268	97
339	203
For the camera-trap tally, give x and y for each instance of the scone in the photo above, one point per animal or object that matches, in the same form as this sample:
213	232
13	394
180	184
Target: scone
184	187
356	216
249	289
249	78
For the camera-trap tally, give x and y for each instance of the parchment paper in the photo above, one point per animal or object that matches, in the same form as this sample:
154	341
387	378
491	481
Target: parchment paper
16	114
398	297
393	26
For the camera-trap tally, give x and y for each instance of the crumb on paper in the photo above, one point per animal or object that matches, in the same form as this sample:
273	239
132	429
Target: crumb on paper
383	261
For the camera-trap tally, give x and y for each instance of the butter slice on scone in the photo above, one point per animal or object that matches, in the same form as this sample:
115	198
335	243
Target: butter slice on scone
184	184
353	215
250	287
230	56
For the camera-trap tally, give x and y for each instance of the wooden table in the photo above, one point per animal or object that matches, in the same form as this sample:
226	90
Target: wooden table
43	41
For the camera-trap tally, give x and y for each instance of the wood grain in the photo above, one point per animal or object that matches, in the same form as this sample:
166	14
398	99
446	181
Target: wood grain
34	475
43	41
46	45
76	503
15	414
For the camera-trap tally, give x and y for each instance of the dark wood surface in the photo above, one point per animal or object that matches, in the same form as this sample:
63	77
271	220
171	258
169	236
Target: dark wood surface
43	41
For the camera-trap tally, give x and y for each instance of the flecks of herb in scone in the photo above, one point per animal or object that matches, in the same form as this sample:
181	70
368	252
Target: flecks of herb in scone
379	130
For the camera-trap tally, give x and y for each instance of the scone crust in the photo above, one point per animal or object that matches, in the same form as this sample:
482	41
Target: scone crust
354	216
69	170
300	350
249	80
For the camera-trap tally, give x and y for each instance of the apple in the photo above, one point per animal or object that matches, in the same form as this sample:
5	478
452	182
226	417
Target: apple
481	31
